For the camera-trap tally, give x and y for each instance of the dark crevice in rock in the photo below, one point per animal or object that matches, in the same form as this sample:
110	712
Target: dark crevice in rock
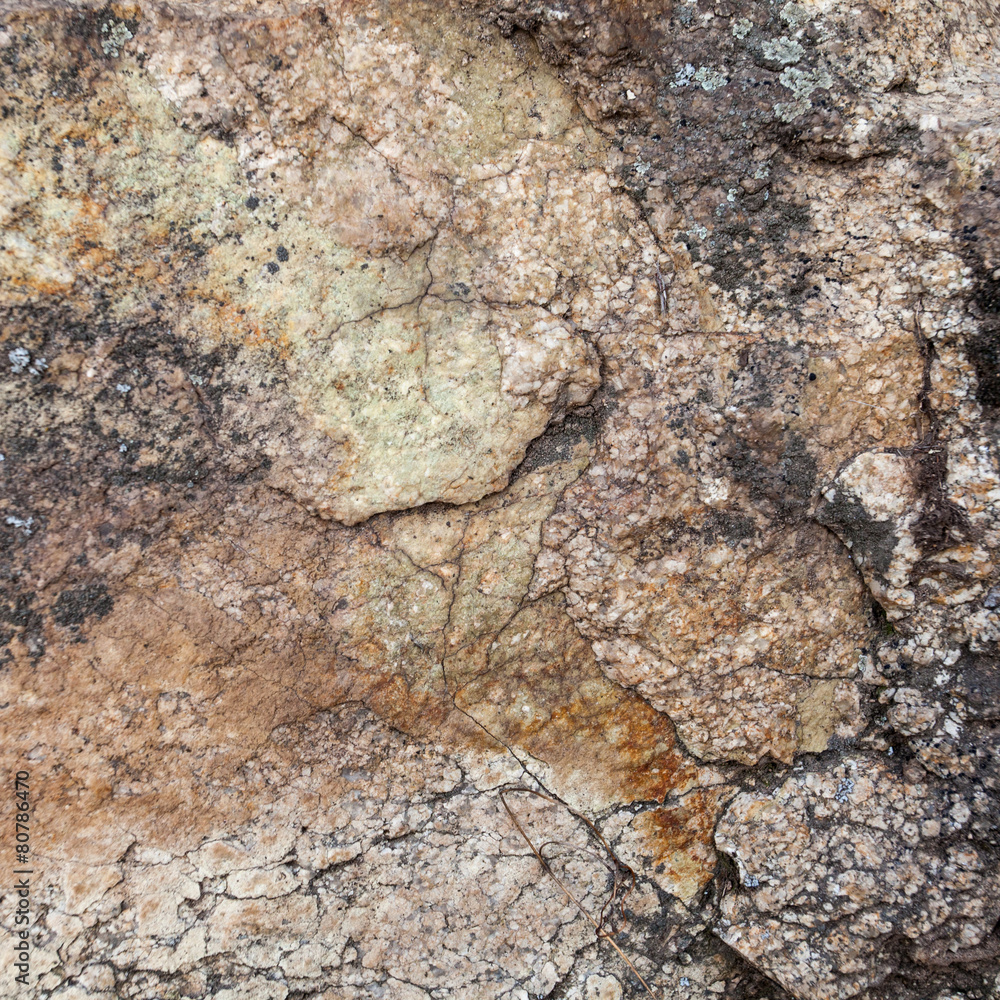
940	518
557	442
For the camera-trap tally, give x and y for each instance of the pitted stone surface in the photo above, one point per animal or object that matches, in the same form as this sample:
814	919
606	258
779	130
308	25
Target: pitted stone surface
838	862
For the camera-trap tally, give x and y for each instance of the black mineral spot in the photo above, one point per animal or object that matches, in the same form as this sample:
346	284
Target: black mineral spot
252	202
73	607
282	254
272	267
984	353
812	376
872	541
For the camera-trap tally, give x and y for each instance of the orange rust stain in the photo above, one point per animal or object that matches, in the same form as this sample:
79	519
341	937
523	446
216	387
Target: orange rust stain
256	337
81	236
147	271
43	287
226	685
679	840
587	728
631	748
239	324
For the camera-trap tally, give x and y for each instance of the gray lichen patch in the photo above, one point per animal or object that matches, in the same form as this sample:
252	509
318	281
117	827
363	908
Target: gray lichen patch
706	77
795	15
19	359
784	51
741	27
803	82
114	34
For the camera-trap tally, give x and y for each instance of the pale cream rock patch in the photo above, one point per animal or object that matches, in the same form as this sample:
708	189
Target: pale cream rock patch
882	483
269	882
602	988
429	357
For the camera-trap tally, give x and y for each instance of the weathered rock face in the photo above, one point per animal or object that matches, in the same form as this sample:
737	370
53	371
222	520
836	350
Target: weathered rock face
406	401
890	857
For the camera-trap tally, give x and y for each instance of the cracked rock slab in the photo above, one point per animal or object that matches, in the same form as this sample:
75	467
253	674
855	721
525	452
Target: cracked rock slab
401	402
367	260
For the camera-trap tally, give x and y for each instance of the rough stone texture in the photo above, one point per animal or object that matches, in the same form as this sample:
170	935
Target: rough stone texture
886	856
403	401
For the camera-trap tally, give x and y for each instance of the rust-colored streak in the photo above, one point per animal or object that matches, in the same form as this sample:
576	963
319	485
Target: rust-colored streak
548	695
678	840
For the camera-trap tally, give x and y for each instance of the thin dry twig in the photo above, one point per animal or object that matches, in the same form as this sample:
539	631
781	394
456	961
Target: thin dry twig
619	867
613	871
661	291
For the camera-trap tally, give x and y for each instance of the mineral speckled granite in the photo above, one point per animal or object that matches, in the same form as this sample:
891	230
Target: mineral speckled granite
404	401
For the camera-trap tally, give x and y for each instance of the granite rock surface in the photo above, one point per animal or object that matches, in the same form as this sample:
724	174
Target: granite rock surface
403	402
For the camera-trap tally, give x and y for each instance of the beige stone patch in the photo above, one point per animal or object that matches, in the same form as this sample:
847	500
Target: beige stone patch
426	234
269	882
882	483
84	885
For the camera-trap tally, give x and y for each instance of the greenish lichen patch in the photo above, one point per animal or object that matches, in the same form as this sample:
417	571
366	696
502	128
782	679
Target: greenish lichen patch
710	79
803	82
114	35
784	51
704	76
794	15
742	27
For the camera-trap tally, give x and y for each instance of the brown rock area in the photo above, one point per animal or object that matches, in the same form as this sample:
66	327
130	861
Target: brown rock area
404	401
